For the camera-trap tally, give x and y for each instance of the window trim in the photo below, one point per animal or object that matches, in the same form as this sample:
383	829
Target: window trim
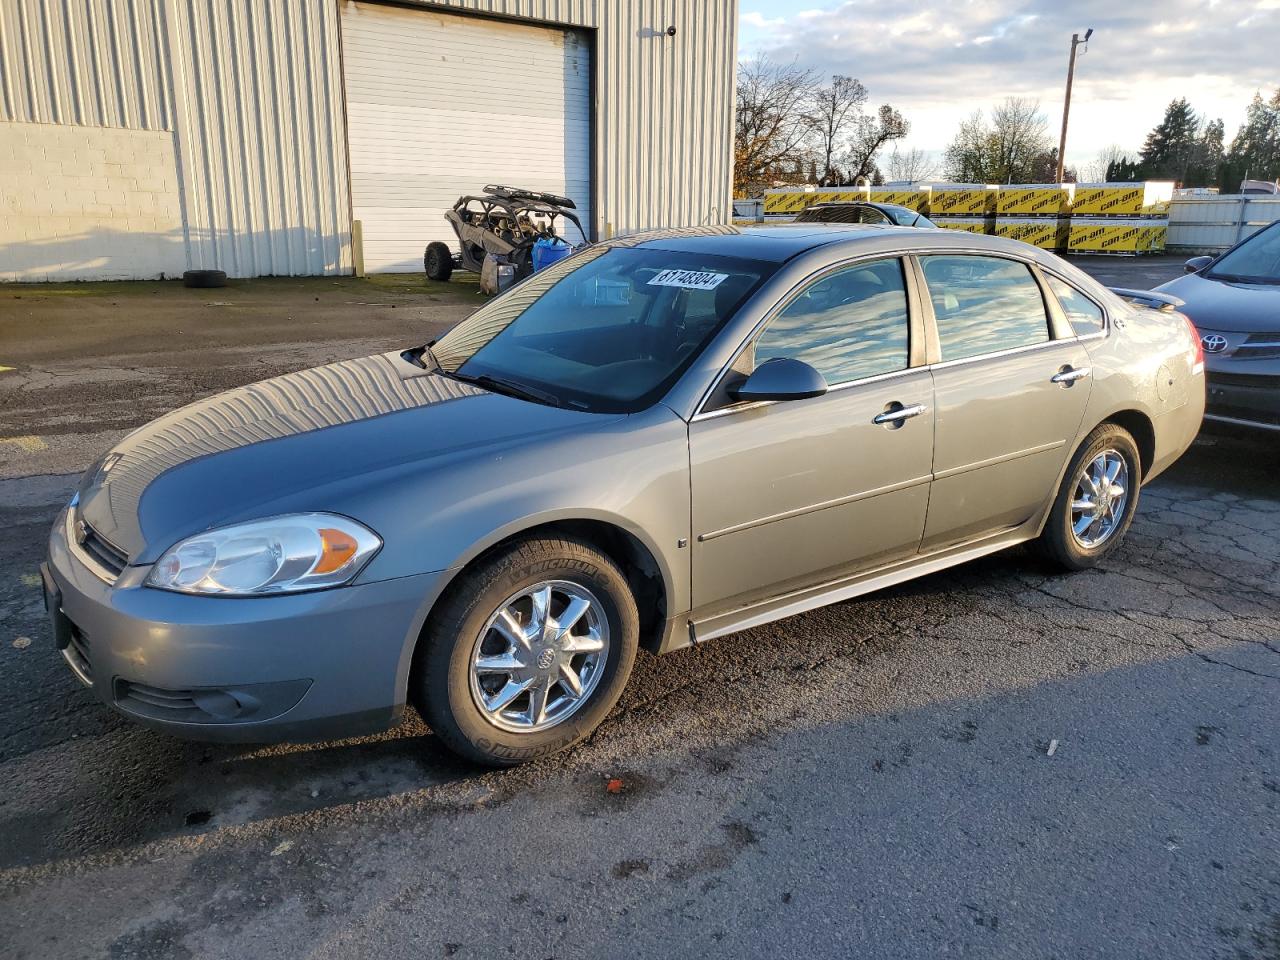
916	333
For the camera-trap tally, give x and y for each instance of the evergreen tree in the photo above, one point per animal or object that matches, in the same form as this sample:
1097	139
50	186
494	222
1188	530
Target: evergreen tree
1122	170
1206	162
1172	147
1255	151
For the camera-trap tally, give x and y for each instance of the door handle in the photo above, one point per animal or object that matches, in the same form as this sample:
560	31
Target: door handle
900	414
1069	375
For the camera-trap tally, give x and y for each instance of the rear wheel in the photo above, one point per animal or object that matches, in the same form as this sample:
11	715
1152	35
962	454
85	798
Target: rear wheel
528	652
438	261
1096	501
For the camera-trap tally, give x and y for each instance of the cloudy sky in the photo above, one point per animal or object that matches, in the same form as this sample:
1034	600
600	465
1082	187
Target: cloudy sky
937	62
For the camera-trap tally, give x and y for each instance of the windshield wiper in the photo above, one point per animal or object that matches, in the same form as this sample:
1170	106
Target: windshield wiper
508	387
1241	278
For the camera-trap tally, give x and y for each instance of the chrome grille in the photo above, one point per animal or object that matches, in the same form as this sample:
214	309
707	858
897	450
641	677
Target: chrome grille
103	558
103	550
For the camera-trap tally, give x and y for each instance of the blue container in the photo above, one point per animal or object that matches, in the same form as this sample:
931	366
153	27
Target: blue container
547	252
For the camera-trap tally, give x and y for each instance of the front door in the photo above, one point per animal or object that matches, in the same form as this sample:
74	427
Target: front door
1009	397
793	493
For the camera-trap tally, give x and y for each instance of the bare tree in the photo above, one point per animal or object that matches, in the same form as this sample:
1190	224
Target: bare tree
1011	149
872	134
837	110
773	123
1095	171
1021	135
911	165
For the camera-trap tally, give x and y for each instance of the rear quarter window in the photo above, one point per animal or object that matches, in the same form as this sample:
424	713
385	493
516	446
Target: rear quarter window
1086	317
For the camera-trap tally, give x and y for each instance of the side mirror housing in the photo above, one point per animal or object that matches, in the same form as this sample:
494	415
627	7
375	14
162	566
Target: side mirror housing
782	378
1196	264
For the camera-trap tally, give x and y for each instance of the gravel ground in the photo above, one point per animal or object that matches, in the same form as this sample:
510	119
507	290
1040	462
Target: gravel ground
995	761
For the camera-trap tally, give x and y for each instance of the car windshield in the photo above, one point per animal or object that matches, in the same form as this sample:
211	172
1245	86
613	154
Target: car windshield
1257	260
608	330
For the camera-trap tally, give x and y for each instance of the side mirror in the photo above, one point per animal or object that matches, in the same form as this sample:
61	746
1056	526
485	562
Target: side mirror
781	379
1196	264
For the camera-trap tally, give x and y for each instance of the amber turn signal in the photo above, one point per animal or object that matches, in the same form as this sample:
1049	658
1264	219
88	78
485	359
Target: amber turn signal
336	548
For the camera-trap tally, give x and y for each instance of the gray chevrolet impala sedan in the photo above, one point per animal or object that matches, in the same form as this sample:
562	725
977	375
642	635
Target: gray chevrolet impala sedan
657	441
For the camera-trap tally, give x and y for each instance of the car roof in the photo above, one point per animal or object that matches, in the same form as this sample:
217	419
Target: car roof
775	242
785	241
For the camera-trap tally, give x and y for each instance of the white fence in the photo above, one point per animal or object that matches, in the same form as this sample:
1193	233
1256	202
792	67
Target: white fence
1215	223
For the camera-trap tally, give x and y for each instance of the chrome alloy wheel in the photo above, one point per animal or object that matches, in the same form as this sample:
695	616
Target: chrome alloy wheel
540	656
1101	493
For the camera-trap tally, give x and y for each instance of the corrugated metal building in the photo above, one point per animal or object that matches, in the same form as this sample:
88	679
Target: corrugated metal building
141	137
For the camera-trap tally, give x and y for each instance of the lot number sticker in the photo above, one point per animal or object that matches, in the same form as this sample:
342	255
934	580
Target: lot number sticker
689	279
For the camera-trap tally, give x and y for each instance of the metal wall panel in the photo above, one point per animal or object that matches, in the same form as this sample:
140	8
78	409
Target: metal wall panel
84	62
258	102
1218	222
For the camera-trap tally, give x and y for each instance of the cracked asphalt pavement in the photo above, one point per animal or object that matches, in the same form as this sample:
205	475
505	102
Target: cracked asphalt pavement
995	761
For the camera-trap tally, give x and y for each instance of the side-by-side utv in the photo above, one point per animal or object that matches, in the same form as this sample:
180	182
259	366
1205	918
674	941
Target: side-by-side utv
504	222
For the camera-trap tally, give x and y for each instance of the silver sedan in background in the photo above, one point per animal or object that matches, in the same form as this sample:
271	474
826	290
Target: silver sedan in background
660	440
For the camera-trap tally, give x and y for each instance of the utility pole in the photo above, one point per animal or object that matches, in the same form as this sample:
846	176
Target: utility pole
1066	104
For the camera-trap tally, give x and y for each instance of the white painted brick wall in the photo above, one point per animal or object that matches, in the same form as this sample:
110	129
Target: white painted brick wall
88	203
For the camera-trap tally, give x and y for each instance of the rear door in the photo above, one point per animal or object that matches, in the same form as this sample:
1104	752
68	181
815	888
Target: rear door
1010	390
799	492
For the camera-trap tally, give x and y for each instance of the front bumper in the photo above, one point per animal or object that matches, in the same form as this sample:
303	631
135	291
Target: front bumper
1248	400
308	666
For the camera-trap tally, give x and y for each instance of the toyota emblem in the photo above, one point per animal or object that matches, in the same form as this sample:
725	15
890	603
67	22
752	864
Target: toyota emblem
1213	343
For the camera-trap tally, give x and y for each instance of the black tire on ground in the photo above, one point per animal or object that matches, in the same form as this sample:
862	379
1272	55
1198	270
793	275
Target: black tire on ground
204	278
441	683
1057	543
438	261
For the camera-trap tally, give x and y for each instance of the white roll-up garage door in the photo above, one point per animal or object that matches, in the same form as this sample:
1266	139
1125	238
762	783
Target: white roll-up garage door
438	105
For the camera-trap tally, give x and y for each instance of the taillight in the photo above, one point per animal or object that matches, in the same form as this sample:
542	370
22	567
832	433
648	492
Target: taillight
1197	359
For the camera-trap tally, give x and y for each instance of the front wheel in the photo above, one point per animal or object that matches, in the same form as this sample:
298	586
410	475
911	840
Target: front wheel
1096	501
528	652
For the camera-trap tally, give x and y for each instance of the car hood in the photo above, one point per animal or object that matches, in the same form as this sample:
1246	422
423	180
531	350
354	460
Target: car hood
289	442
1229	307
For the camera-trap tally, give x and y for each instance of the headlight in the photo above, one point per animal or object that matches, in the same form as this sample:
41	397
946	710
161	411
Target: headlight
305	551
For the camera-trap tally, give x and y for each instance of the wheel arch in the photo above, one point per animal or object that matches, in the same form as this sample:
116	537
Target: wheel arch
1143	431
649	578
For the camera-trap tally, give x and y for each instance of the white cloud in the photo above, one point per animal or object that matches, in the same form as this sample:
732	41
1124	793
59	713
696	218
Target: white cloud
939	62
754	18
